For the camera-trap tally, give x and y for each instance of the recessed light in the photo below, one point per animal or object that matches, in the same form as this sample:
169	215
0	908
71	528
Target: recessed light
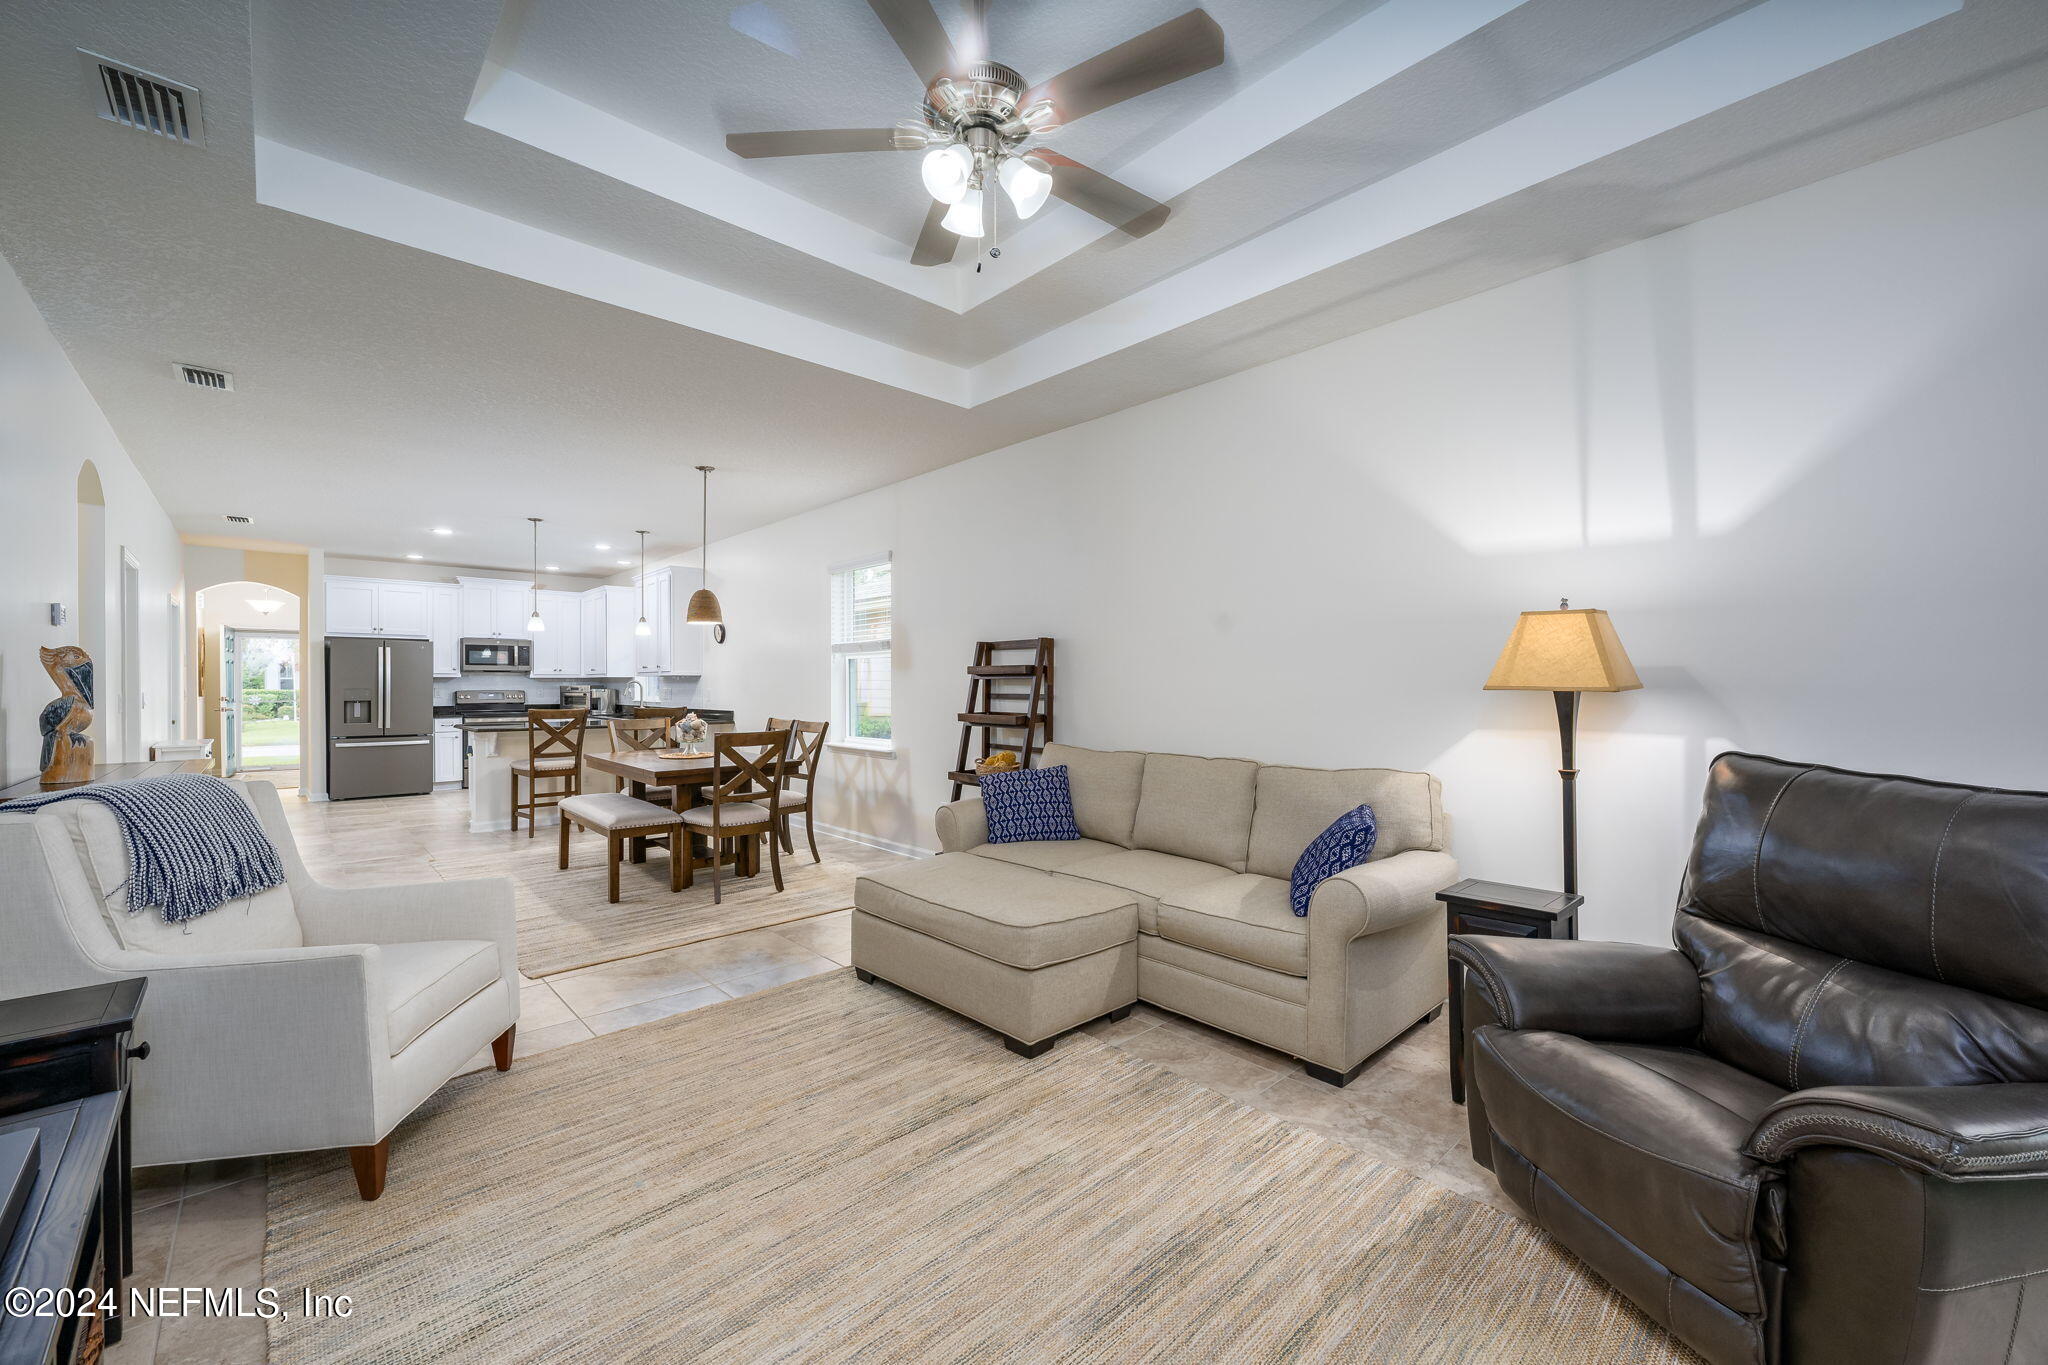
444	530
602	546
415	556
554	568
624	563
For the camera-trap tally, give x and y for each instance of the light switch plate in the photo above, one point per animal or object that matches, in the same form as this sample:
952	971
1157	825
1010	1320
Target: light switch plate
57	614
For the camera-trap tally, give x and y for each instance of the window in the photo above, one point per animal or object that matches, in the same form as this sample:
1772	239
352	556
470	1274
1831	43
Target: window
862	608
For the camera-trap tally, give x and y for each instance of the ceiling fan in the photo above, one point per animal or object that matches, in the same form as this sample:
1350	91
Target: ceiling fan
978	115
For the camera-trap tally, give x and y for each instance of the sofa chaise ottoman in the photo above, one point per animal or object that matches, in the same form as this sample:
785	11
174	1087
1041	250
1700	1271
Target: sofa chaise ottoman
1177	894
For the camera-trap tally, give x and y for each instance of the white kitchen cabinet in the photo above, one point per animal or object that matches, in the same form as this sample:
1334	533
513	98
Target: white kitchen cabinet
495	608
609	645
676	648
404	609
445	614
590	633
448	741
351	607
378	606
558	650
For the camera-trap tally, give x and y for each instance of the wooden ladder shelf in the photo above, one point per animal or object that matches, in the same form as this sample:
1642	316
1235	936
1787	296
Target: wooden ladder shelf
994	691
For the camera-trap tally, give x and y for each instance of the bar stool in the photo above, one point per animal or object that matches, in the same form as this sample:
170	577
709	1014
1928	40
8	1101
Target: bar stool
554	752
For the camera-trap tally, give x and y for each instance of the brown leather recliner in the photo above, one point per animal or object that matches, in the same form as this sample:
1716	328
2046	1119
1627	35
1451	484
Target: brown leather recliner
1817	1130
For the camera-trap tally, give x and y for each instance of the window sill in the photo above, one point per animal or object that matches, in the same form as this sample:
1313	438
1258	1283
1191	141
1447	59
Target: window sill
879	748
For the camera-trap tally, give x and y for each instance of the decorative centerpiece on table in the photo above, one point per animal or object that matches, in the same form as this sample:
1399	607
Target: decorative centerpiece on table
690	731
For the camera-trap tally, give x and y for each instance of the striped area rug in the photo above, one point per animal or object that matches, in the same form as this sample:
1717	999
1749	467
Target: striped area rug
836	1172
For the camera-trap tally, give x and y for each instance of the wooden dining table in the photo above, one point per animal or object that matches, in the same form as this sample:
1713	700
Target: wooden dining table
644	768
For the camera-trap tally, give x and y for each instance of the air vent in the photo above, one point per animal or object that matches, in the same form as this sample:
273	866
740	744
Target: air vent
239	521
136	99
201	377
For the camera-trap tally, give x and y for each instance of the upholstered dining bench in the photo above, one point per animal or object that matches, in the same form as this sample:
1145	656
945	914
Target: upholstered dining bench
1177	894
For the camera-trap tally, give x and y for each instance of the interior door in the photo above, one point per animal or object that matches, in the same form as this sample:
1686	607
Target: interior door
230	703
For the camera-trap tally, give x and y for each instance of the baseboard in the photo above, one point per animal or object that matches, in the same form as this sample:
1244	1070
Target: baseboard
886	845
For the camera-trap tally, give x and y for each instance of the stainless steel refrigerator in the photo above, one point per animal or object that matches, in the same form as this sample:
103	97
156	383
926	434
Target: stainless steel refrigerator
380	717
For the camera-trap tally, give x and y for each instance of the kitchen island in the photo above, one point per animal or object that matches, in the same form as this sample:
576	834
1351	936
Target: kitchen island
495	743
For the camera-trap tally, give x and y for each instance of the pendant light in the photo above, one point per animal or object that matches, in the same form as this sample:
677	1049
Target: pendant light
641	627
534	623
704	609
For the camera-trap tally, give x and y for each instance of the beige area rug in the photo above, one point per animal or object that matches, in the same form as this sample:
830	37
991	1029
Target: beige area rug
834	1172
565	921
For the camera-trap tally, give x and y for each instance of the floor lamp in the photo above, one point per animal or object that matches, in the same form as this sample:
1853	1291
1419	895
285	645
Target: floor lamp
1565	652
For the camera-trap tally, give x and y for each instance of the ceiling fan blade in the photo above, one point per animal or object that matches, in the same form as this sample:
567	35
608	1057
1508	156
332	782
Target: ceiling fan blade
1174	51
1093	192
935	245
918	32
812	142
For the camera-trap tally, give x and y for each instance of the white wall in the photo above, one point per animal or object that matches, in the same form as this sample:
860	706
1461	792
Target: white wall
49	426
1796	451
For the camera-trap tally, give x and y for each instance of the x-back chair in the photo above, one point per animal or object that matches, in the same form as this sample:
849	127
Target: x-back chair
745	796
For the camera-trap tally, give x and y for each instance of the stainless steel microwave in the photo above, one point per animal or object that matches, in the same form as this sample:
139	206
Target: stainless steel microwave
497	656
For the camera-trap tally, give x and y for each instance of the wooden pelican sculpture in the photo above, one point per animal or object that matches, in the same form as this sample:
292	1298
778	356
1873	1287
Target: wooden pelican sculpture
67	748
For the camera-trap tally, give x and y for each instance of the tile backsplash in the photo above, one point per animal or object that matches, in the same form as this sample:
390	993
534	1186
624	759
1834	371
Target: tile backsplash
548	691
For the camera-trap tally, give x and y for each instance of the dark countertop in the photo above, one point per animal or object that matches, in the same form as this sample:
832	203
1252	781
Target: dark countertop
448	711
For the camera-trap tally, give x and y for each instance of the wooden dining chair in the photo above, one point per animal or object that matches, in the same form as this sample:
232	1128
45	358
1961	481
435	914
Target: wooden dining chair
643	732
800	779
554	752
745	796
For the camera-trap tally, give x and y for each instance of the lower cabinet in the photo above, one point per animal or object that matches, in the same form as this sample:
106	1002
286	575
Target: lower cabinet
448	740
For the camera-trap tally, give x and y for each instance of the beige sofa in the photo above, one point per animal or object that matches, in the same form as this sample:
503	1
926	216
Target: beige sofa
1177	894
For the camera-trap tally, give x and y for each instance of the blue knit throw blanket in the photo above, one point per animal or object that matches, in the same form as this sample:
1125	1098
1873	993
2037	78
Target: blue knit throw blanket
193	843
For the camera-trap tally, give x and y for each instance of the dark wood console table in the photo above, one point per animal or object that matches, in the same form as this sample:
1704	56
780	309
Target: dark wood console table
65	1243
67	1053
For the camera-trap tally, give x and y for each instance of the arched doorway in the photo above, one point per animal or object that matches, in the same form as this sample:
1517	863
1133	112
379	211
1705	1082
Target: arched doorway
252	677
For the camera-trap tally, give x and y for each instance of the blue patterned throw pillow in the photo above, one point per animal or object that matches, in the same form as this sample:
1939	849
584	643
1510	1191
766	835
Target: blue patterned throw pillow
1029	804
1345	844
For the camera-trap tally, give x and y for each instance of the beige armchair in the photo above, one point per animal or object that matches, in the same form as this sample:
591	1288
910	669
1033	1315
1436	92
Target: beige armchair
309	1016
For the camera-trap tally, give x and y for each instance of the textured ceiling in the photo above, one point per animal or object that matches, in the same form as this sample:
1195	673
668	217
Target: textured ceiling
433	320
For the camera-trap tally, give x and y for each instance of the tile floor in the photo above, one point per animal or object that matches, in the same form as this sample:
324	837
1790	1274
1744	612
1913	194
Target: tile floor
203	1224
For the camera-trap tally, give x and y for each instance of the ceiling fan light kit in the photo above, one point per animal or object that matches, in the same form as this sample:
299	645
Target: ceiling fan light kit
977	115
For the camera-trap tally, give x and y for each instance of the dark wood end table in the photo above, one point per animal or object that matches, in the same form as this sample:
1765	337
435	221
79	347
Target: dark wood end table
1478	907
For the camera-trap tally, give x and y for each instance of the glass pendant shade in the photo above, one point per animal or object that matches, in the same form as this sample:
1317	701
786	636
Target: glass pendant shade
641	627
704	609
946	172
1026	182
534	623
964	217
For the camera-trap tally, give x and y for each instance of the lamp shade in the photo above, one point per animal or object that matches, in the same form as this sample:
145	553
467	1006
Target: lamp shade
704	609
1571	650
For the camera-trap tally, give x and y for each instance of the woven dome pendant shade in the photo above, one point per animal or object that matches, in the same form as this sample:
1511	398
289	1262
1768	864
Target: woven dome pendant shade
704	608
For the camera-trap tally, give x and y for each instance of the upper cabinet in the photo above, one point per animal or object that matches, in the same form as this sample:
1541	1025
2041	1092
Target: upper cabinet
609	645
558	649
676	648
445	608
495	608
378	606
